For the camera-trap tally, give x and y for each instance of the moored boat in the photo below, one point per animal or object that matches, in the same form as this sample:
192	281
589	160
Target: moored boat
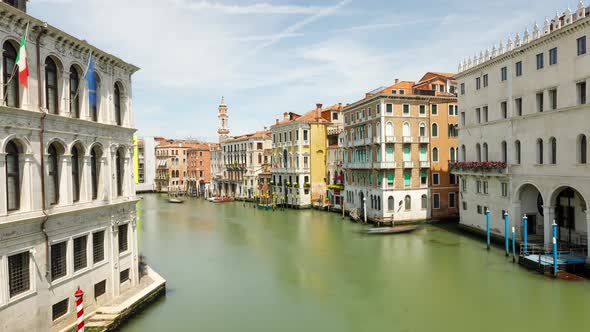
389	230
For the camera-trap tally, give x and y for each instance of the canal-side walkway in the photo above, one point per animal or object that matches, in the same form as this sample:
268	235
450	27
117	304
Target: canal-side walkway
110	316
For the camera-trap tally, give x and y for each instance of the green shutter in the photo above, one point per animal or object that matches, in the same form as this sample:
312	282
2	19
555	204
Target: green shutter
390	177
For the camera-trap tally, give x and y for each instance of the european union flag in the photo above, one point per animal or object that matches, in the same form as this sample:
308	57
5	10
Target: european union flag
91	81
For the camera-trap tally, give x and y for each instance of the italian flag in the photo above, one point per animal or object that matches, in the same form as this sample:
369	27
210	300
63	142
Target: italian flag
21	61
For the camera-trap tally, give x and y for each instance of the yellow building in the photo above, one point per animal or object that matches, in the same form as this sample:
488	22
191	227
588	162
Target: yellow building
299	157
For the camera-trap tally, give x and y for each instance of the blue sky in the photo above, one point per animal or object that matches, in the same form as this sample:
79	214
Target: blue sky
273	56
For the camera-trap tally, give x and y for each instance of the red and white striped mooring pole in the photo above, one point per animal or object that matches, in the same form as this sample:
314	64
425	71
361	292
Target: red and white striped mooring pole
79	294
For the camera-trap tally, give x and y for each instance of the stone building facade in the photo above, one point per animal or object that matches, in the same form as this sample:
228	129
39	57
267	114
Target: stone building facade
199	168
397	150
523	132
300	156
67	195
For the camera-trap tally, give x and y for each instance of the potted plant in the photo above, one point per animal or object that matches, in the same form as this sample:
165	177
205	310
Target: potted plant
307	185
295	184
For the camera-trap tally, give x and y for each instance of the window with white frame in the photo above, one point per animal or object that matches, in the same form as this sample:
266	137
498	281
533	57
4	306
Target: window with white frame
123	238
80	253
59	260
19	274
436	201
435	179
452	199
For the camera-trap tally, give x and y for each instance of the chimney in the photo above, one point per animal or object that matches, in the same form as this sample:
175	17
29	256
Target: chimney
318	111
339	106
285	116
277	121
396	80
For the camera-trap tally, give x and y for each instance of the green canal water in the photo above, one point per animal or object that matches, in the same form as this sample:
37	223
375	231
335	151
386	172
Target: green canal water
231	268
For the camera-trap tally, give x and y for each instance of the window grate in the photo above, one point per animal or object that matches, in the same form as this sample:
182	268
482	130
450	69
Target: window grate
123	243
80	253
100	288
58	260
124	276
98	247
19	273
59	309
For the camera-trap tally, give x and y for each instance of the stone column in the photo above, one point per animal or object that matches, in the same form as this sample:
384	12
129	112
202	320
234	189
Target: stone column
27	187
103	184
86	180
516	214
549	215
65	180
64	103
3	207
112	176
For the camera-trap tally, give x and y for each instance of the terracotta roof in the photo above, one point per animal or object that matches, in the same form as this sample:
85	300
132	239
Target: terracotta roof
264	134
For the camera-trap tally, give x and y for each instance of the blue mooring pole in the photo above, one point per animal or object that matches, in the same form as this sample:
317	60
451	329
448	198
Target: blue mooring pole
554	249
506	236
488	228
513	244
525	232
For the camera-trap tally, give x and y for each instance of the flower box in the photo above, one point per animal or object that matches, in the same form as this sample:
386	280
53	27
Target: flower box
483	166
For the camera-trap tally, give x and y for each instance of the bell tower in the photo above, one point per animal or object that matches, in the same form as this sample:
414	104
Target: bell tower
223	129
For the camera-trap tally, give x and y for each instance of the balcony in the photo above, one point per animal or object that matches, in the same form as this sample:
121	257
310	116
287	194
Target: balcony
408	139
424	164
390	139
377	140
357	165
385	165
367	141
408	164
305	142
424	139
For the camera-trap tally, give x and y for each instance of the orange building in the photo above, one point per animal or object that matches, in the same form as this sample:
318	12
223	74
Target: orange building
398	141
199	168
173	167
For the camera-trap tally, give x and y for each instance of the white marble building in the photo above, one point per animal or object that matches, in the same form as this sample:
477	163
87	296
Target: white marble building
67	195
524	103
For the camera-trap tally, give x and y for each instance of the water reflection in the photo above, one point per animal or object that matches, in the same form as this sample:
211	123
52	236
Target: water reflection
234	268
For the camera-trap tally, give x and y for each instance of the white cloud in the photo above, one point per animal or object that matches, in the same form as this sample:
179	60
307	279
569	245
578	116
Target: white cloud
256	8
389	25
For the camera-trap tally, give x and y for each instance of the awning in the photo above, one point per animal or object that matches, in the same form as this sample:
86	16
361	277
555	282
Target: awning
162	163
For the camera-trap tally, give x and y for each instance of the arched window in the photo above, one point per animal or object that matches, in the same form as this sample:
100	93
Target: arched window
94	97
51	90
406	129
553	143
422	130
389	129
478	152
452	154
424	202
540	151
120	170
95	170
463	153
12	177
75	174
504	152
582	149
408	203
485	152
10	76
390	203
117	101
74	96
53	172
435	155
434	130
517	154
